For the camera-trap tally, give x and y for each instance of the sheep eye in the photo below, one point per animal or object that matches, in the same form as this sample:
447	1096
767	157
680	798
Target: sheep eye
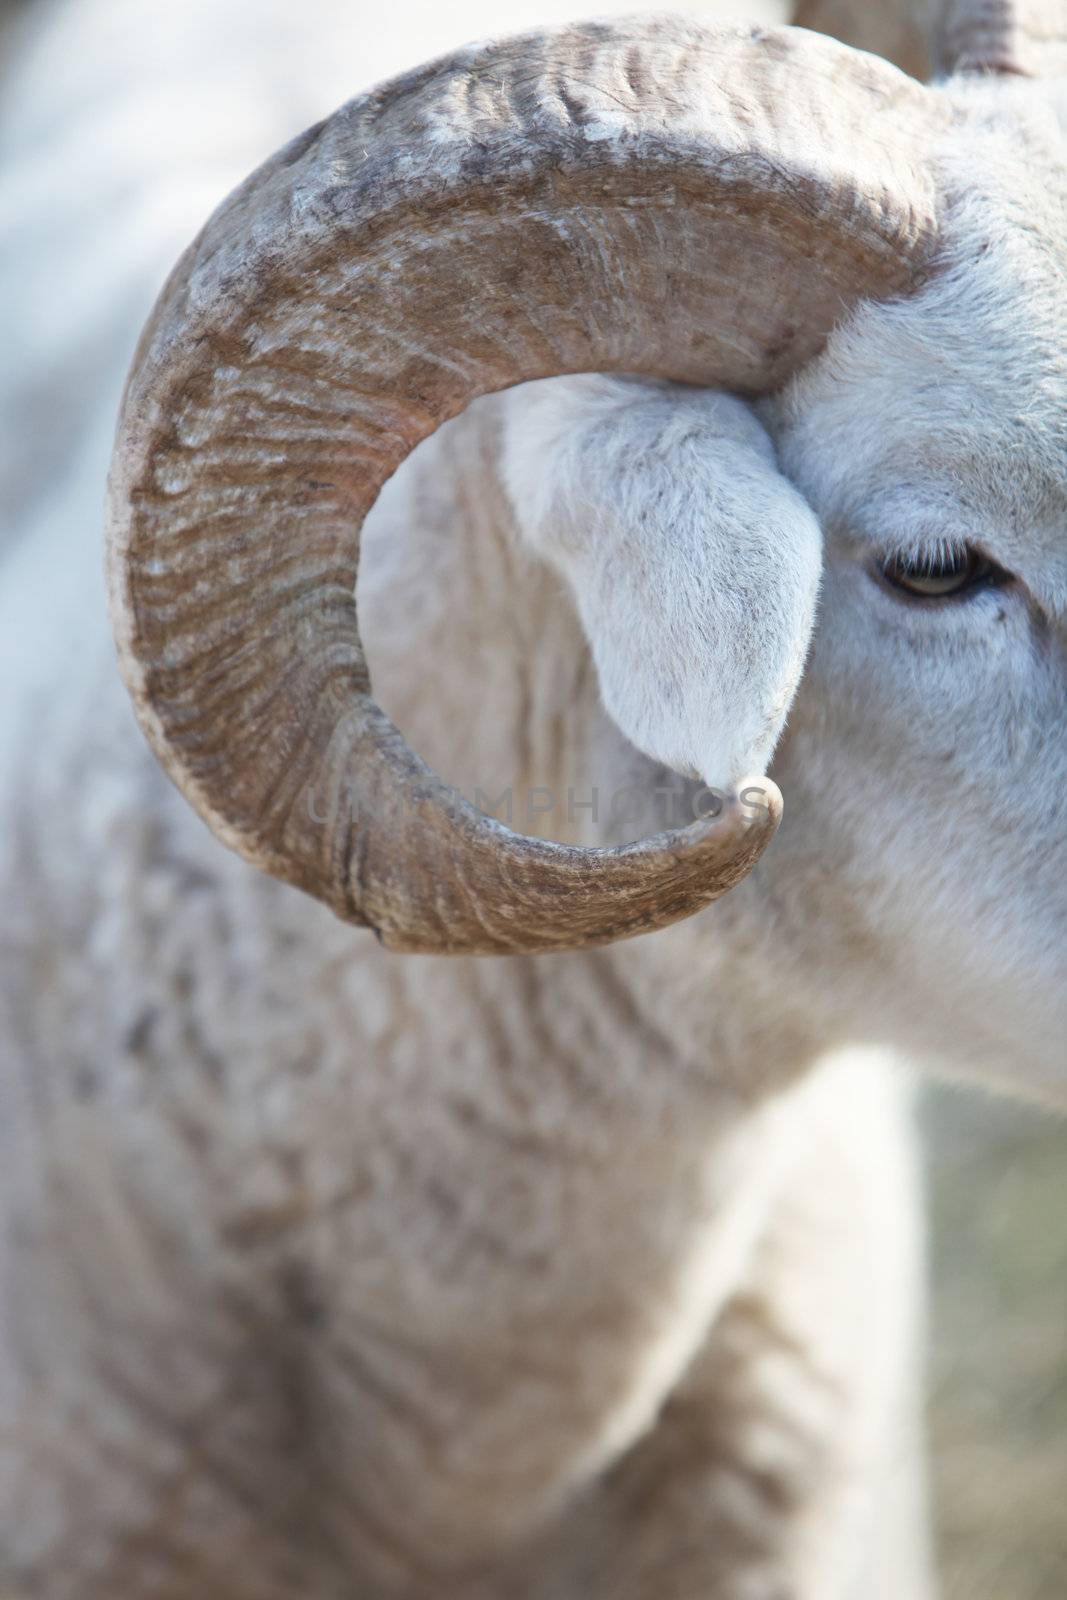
946	574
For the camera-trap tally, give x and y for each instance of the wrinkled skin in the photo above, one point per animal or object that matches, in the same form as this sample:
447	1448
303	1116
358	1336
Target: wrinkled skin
330	1273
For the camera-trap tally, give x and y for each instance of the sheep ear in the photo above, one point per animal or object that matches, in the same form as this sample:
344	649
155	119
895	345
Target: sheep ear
693	562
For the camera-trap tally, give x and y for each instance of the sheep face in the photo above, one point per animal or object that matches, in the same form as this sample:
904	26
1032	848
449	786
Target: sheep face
926	752
928	427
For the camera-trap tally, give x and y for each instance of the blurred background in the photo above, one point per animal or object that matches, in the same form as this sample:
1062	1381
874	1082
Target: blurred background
997	1178
121	124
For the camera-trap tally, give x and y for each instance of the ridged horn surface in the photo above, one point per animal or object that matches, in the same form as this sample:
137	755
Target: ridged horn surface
649	196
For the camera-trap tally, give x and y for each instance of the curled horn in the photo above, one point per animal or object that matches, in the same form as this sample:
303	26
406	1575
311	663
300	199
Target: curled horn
651	196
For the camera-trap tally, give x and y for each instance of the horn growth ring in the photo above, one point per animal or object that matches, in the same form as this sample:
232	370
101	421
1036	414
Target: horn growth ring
651	196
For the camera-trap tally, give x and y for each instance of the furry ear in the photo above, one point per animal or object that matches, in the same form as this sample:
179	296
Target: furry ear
694	563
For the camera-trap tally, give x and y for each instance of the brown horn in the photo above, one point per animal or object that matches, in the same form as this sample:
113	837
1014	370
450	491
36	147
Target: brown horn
1018	36
649	196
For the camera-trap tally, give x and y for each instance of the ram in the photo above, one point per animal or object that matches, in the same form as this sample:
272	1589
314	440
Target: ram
703	390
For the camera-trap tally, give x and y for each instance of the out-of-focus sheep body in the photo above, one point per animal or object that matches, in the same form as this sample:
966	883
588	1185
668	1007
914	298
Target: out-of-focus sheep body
333	1273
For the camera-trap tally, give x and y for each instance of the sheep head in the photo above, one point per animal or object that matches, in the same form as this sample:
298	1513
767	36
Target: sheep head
647	197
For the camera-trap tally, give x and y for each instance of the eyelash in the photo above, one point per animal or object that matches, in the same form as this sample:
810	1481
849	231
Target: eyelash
946	571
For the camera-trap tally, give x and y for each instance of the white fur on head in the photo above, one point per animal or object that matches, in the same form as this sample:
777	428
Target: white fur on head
694	564
928	778
942	416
